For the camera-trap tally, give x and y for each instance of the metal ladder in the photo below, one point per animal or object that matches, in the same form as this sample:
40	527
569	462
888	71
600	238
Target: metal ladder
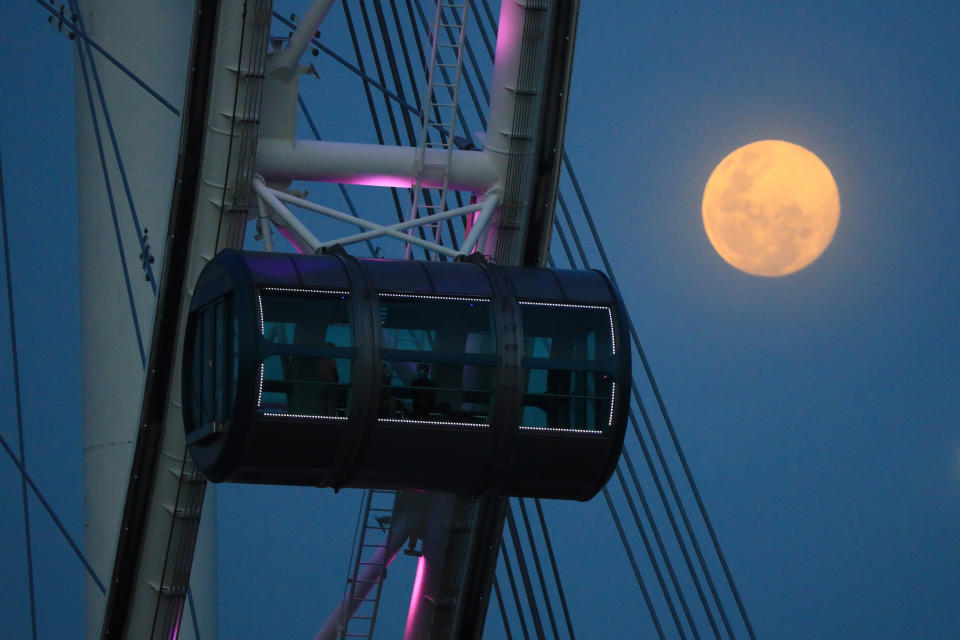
374	532
439	109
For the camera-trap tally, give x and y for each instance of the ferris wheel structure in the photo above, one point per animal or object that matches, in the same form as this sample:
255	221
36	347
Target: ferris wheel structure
356	131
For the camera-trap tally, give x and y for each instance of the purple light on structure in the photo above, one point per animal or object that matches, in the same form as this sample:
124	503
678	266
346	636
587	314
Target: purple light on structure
291	238
506	25
416	596
175	631
401	182
272	267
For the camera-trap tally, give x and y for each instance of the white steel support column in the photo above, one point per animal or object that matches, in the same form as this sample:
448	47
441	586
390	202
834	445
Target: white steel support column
503	98
152	38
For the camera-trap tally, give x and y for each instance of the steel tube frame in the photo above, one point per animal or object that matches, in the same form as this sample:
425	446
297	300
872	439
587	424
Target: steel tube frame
303	239
485	207
372	164
282	217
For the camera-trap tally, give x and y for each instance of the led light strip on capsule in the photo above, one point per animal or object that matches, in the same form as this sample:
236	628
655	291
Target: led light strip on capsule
419	296
613	349
281	414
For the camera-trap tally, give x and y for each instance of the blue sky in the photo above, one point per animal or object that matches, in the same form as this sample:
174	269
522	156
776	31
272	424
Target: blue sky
820	411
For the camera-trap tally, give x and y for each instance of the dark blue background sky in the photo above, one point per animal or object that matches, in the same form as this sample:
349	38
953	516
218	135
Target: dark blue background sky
820	411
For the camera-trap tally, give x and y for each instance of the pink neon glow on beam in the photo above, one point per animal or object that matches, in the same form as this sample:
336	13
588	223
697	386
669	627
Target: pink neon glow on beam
291	238
175	632
399	182
416	596
509	36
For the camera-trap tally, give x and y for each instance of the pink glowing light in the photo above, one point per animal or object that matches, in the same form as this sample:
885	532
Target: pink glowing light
175	632
416	596
291	237
400	182
509	36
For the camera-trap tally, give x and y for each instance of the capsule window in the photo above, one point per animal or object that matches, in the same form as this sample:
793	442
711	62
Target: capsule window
213	368
568	359
308	386
307	368
438	360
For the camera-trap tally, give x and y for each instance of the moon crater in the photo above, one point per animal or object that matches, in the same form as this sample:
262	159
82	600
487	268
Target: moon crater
771	208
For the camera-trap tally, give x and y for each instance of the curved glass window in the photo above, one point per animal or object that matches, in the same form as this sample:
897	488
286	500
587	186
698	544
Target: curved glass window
213	368
307	369
569	353
438	360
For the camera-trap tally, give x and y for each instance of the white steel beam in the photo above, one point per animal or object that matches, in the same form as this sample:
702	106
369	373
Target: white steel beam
503	99
288	224
371	164
209	210
152	38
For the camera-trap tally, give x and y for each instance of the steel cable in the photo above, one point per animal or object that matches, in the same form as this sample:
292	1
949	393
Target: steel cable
369	81
193	613
650	555
343	189
113	208
524	573
83	36
633	563
536	563
586	264
503	611
651	466
680	540
555	567
659	539
513	587
53	516
144	255
140	237
16	394
373	111
420	107
398	86
369	95
613	511
663	410
468	81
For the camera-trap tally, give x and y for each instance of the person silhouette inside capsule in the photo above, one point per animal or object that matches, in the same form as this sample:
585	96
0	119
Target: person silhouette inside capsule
315	386
424	398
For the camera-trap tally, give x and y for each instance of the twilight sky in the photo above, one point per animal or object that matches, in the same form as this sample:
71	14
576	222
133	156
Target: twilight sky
820	412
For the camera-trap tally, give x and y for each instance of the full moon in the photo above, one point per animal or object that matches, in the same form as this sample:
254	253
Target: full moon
770	208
